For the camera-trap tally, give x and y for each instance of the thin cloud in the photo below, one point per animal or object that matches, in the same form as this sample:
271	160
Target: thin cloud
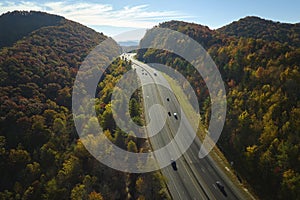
94	14
11	6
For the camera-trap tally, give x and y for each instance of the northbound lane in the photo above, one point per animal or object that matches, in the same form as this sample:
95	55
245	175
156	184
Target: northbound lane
195	178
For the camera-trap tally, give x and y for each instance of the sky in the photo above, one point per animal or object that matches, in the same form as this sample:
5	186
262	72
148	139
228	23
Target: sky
114	17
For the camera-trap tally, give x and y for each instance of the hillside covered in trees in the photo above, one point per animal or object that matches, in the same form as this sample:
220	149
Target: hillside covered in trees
20	24
259	61
257	28
41	156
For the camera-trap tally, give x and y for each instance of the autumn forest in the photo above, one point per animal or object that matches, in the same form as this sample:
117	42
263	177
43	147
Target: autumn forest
42	157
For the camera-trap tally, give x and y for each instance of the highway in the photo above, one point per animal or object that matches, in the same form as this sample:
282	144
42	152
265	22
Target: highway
195	178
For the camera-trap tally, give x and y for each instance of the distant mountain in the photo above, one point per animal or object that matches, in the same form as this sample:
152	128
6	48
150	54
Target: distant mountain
15	25
129	43
255	27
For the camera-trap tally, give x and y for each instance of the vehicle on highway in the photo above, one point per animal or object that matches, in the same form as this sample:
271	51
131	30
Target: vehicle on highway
175	115
155	74
168	99
221	188
174	165
169	113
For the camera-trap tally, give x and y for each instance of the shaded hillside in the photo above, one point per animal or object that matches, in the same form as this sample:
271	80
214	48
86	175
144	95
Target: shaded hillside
15	25
261	133
255	27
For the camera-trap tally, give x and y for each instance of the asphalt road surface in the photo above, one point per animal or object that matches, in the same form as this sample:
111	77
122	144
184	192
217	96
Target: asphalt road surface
194	178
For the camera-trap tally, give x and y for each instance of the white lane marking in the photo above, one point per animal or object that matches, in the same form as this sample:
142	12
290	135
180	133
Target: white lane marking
176	189
214	186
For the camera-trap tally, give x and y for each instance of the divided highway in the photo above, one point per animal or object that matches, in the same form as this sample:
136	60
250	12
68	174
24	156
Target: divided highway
195	178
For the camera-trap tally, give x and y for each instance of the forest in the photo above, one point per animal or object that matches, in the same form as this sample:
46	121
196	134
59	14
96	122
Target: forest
259	63
41	155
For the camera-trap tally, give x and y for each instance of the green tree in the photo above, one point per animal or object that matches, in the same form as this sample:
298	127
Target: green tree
70	170
79	192
131	146
133	108
107	121
19	157
291	184
59	125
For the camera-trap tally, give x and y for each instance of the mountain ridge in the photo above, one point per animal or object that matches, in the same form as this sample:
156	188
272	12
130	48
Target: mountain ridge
259	28
248	27
18	24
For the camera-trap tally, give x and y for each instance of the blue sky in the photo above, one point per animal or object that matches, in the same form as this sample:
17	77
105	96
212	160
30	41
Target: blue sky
113	17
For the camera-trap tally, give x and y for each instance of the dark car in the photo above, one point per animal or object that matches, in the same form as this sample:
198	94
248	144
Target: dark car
169	113
175	115
221	188
174	165
168	99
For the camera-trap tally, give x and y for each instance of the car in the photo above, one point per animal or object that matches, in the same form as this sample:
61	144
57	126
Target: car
219	185
221	188
169	113
174	165
168	99
155	74
175	115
